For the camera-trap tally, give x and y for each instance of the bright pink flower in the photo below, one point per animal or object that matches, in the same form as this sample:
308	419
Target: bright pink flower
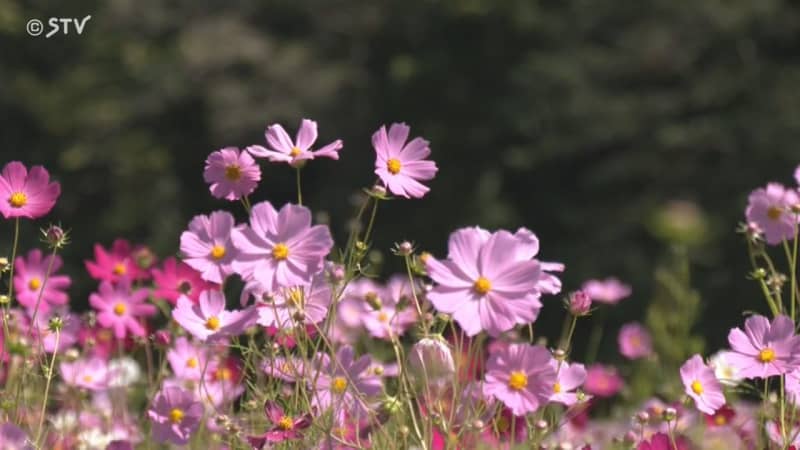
402	166
569	377
771	209
26	194
343	382
232	174
188	361
521	376
175	415
660	441
209	320
121	308
176	278
91	374
702	385
634	341
763	350
283	149
207	245
290	306
29	281
117	264
284	426
489	281
609	291
396	313
602	381
281	248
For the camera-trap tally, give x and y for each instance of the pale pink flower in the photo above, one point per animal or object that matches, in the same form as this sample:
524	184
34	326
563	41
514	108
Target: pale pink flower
293	305
209	320
569	377
771	209
396	312
764	349
400	165
232	174
175	415
187	359
207	245
521	376
702	385
634	341
91	374
602	381
609	291
283	149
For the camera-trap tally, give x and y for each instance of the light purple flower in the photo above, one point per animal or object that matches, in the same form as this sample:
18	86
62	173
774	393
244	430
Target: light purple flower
293	305
208	319
232	174
175	415
207	245
187	359
569	377
13	438
764	349
609	291
702	385
343	381
120	308
402	166
29	281
283	149
771	209
396	313
281	248
634	341
91	374
521	376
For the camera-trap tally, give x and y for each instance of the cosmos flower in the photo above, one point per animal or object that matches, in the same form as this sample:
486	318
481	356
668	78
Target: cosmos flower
207	245
176	278
702	385
568	378
487	283
792	439
280	249
91	373
29	281
521	376
231	174
341	382
118	263
602	381
771	209
609	291
660	441
284	427
764	349
208	319
283	149
175	415
67	336
634	341
298	304
13	438
400	165
396	312
726	373
120	308
187	360
26	194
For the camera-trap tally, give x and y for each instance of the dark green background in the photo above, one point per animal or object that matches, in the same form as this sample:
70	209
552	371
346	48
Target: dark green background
577	119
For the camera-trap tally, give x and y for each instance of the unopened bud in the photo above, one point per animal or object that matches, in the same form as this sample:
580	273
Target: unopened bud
630	437
404	248
559	354
670	414
72	355
478	424
299	316
391	405
373	300
55	324
579	303
379	190
162	338
431	359
4	300
643	417
759	274
405	431
4	265
55	236
541	425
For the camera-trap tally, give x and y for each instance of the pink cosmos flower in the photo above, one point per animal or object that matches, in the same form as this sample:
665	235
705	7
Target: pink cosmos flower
281	248
26	194
402	166
91	374
117	264
209	320
702	385
343	381
634	341
68	335
396	313
120	308
791	439
13	438
763	350
284	426
568	378
207	245
602	381
232	174
175	415
283	149
299	304
29	281
521	376
287	369
176	278
187	360
771	209
609	291
660	441
528	248
489	281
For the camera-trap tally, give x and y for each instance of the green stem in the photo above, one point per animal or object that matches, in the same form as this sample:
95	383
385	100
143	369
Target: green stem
299	190
47	390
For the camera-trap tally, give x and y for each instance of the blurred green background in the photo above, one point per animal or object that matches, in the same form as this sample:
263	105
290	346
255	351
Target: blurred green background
578	119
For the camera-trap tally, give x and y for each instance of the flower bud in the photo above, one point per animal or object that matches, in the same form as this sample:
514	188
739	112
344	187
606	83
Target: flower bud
55	236
759	274
643	417
630	437
144	257
478	424
391	405
299	316
579	303
373	300
379	190
431	359
670	414
162	338
336	273
541	425
4	300
4	265
56	323
404	248
559	354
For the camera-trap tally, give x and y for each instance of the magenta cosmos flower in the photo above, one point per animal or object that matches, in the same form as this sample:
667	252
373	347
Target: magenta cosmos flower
26	194
771	209
120	262
175	415
232	174
284	426
402	166
602	381
634	341
29	281
609	291
344	382
208	319
207	245
283	149
569	377
91	374
702	385
120	308
280	249
176	278
521	376
764	349
488	281
661	441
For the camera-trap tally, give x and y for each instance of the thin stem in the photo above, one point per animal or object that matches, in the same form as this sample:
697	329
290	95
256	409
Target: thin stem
47	388
299	190
371	221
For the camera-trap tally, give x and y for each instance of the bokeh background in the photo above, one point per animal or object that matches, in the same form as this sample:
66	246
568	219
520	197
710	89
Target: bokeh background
617	131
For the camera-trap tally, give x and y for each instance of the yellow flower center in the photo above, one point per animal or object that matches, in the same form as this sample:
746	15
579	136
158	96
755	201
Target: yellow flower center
295	151
120	269
192	362
35	283
339	385
218	252
767	355
87	378
223	374
557	388
295	297
518	380
280	251
774	212
382	317
212	323
120	308
697	388
18	199
393	166
482	286
286	423
233	172
720	420
176	415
